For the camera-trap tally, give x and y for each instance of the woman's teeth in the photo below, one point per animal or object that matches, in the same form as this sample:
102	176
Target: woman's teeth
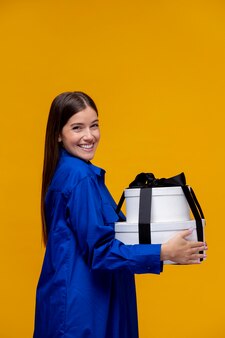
86	146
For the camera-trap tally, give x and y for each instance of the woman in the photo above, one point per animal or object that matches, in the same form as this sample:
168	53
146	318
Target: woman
86	288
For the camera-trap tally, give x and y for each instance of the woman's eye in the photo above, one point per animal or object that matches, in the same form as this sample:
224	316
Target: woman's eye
76	128
95	126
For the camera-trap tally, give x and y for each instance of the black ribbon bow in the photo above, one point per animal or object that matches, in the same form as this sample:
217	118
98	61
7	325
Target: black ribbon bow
147	181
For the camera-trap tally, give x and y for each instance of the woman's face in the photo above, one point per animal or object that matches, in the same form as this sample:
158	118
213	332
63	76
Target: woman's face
80	135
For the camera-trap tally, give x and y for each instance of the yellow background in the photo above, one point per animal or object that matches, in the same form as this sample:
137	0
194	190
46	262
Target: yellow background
156	70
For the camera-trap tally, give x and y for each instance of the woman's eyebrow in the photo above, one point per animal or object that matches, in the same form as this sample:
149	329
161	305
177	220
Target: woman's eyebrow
81	124
77	124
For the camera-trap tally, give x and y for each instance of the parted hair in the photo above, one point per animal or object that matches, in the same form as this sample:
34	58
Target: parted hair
62	108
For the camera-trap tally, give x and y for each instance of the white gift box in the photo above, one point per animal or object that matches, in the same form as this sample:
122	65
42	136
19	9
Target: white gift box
168	204
161	232
169	213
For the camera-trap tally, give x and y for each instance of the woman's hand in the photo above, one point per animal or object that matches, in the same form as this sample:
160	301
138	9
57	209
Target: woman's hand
179	250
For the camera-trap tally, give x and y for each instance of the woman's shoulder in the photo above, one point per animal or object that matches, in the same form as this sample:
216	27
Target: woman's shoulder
72	170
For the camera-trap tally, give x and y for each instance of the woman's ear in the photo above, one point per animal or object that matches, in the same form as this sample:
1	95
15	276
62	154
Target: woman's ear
59	138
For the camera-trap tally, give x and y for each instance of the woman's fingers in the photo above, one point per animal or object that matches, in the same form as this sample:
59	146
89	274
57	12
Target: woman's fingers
194	259
197	249
197	256
196	244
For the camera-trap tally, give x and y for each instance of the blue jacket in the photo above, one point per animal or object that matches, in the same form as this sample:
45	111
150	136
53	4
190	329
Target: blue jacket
86	287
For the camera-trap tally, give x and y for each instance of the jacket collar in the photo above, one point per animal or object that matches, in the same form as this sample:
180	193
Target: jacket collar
97	170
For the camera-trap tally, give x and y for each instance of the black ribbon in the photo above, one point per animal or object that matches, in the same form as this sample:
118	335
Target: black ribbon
147	181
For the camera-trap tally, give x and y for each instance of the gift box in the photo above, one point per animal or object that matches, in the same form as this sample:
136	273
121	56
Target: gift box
161	232
168	204
156	209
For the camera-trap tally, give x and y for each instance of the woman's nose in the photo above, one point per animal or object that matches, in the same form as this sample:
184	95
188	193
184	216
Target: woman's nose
88	134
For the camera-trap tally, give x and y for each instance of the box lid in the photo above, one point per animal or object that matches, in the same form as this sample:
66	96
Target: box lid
161	191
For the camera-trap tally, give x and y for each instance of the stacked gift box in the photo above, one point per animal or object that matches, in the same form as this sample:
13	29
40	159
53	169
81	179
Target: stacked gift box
156	209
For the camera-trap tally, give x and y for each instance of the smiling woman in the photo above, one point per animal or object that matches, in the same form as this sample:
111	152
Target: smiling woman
86	287
80	135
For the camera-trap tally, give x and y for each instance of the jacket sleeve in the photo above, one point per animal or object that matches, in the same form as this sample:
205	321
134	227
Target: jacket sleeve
92	222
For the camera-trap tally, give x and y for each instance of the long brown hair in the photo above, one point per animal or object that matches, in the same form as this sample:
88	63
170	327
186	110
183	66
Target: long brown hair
62	108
